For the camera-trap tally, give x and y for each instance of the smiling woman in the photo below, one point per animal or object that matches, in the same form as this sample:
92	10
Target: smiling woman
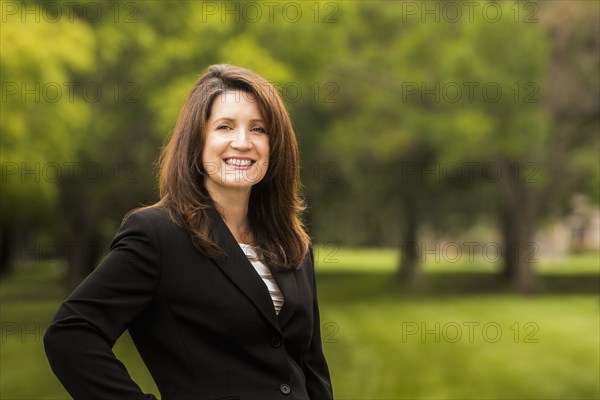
215	282
229	112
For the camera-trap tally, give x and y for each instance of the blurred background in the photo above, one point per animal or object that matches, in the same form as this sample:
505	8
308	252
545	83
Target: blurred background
450	158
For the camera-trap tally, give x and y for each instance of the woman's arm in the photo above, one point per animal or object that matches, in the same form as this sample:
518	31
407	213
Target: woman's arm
79	341
316	372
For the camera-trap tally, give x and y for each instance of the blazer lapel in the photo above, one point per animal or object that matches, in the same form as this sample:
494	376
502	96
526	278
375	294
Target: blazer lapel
286	281
239	269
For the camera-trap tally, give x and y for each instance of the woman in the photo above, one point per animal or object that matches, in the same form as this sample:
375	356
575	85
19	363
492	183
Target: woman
215	282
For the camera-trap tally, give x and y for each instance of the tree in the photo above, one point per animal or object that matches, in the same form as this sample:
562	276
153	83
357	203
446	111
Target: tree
440	94
41	122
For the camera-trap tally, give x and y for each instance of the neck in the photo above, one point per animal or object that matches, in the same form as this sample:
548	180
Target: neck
233	206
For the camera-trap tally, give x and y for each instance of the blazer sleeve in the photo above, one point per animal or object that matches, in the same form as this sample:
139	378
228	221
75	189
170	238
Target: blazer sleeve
79	341
316	371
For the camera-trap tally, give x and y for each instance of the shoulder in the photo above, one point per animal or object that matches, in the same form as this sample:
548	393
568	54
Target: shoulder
155	219
149	226
153	214
307	266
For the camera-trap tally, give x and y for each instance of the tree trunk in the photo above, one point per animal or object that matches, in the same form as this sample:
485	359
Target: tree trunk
519	251
410	260
5	251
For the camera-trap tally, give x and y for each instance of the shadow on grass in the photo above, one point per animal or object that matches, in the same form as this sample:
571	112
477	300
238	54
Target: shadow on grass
37	282
356	286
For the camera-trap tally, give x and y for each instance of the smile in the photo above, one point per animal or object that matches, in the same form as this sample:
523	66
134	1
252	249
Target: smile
239	162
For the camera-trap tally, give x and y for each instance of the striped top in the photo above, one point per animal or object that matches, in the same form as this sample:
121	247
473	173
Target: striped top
257	262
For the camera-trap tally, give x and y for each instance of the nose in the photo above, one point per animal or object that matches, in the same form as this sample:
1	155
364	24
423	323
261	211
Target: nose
241	140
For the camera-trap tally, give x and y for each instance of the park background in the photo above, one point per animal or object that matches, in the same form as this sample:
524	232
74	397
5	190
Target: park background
449	158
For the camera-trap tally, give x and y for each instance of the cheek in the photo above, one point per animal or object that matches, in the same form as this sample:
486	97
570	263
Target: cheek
211	157
212	149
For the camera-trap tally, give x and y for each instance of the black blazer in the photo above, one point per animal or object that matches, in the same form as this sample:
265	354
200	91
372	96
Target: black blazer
205	328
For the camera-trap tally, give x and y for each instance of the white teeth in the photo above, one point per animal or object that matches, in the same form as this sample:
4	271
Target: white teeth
237	162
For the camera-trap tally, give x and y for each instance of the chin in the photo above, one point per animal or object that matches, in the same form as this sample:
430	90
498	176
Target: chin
247	184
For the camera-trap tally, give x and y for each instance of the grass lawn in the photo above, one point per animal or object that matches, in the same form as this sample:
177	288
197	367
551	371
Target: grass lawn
462	335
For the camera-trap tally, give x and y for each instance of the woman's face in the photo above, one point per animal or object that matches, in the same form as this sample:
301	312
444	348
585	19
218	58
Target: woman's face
236	144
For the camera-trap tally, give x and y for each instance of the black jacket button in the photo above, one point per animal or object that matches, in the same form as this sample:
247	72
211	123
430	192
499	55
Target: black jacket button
275	341
285	388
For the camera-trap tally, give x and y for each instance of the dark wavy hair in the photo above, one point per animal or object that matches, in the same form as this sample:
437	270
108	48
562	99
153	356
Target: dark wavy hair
275	202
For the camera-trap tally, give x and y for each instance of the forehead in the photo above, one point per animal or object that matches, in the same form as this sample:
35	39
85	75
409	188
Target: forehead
235	103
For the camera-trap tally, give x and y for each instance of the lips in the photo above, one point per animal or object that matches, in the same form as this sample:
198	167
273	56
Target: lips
239	162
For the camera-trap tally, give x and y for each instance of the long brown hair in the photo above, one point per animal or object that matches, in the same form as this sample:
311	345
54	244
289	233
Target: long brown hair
275	202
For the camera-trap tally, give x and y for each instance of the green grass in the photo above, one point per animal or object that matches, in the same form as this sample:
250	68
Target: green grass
461	336
330	257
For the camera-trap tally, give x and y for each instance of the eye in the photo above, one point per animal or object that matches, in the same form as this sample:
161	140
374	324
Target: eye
223	127
259	129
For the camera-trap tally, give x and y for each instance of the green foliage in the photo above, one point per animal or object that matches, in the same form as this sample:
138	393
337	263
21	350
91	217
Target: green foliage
41	124
445	84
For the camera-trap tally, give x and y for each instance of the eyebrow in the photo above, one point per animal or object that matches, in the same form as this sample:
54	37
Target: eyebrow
227	119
